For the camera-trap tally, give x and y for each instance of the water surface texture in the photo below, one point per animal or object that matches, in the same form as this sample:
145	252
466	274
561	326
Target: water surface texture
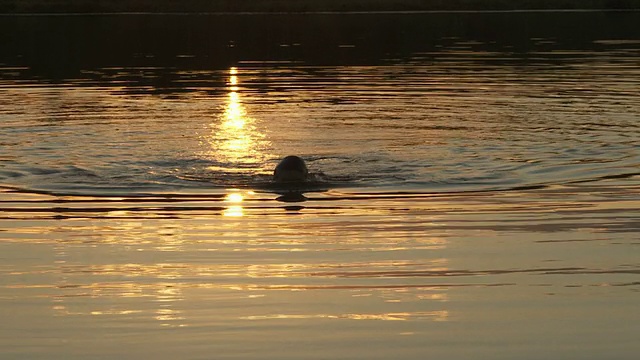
475	186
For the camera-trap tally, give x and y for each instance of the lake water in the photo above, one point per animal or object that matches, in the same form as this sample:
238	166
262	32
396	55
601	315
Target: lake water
476	192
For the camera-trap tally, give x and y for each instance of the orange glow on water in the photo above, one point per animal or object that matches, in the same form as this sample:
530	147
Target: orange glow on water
234	197
235	137
235	209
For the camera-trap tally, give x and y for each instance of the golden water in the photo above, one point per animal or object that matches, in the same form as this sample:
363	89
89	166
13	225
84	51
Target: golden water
470	199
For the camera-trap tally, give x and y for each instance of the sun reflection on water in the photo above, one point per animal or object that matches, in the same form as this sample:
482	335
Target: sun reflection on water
235	199
235	138
439	315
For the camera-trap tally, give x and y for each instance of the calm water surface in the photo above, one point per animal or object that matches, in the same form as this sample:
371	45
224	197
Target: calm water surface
476	192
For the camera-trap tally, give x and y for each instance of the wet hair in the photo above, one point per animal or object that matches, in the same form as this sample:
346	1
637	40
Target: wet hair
291	169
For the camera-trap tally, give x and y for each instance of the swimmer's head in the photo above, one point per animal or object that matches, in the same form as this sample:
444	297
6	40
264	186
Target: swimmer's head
291	169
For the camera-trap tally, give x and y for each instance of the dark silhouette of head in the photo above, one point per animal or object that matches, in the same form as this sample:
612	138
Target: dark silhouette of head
291	169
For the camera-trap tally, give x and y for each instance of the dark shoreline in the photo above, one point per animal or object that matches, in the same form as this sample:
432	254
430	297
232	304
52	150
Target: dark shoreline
300	6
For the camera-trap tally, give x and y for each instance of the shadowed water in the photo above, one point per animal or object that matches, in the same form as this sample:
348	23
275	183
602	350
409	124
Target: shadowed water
474	186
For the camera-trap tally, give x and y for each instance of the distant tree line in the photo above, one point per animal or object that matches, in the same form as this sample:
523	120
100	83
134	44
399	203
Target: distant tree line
171	6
